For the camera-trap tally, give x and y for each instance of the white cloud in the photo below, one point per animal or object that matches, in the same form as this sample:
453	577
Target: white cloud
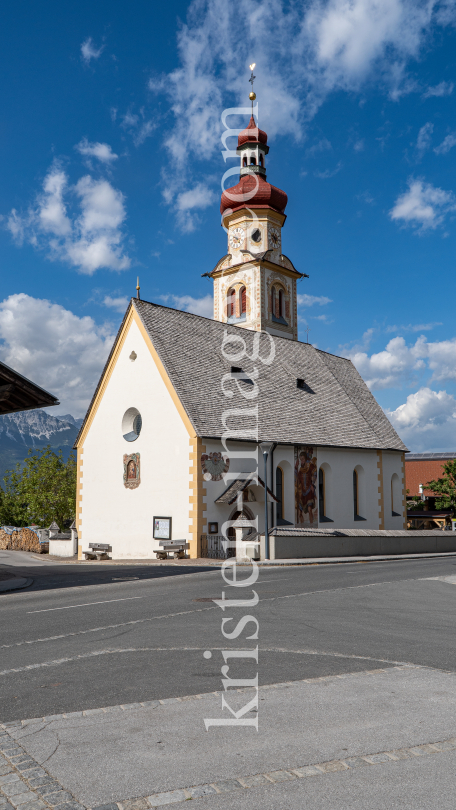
119	303
317	47
188	202
441	89
138	126
423	142
305	300
417	327
358	146
426	421
55	348
199	306
101	151
328	172
399	364
446	144
88	241
89	51
423	206
323	145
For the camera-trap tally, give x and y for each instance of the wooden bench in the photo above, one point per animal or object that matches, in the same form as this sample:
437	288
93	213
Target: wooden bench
98	551
178	547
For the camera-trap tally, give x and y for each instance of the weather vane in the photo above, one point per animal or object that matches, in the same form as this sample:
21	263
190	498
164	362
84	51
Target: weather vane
252	95
307	330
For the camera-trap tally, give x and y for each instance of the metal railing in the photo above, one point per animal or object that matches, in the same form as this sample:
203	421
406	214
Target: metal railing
216	547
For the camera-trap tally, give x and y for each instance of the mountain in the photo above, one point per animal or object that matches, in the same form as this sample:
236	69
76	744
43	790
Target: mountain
20	431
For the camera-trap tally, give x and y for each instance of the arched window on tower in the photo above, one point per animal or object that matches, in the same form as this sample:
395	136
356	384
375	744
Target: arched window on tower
230	304
253	160
261	159
273	301
244	161
280	305
242	301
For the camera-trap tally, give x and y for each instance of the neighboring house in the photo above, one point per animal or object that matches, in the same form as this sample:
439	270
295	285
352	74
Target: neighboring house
420	468
173	427
17	393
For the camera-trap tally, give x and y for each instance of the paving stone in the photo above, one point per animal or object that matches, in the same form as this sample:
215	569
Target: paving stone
134	804
35	805
13	788
170	797
22	798
378	758
34	772
227	784
355	762
200	790
14	752
21	758
50	787
4	769
6	805
106	807
257	779
42	781
71	806
402	753
62	796
308	770
445	746
9	777
281	776
332	767
131	706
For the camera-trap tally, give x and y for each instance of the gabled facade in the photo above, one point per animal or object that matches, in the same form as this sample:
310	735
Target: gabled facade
174	426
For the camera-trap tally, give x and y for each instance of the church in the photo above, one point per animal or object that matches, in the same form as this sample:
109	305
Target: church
170	445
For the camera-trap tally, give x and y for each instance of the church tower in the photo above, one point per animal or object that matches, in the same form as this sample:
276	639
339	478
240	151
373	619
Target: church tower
255	283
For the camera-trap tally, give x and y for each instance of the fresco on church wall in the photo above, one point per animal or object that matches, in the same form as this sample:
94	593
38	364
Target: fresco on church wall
131	470
305	471
214	466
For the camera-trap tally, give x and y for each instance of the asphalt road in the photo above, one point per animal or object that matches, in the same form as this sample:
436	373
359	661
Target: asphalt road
80	638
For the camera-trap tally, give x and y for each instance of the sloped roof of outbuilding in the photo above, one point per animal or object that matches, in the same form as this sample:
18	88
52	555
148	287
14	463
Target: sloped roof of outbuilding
336	409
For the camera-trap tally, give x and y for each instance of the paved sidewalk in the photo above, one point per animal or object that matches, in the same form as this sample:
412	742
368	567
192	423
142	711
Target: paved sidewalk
330	736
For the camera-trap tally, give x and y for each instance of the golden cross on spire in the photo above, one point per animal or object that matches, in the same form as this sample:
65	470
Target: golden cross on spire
252	95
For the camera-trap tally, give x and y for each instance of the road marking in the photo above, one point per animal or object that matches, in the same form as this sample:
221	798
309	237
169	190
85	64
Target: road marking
87	604
120	650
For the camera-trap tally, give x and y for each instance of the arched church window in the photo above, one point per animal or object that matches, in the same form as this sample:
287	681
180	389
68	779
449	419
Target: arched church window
230	303
261	160
253	161
280	302
244	161
243	300
273	300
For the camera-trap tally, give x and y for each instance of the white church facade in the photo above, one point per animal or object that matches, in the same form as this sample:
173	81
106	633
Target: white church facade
172	433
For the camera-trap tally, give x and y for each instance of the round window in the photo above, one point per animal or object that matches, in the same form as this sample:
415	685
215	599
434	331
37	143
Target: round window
131	424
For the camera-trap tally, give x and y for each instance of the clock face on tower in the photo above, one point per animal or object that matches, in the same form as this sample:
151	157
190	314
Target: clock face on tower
274	238
237	237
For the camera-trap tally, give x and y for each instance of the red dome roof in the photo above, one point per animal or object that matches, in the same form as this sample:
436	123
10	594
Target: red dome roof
253	192
252	134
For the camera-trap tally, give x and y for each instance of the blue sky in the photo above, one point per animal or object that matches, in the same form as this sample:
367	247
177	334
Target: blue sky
110	137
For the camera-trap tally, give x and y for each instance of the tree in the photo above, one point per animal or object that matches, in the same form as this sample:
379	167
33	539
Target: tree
40	490
445	487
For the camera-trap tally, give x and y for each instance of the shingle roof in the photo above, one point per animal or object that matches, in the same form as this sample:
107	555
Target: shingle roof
239	485
336	409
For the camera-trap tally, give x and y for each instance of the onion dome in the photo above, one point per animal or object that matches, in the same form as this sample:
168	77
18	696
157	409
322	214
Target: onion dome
253	192
252	134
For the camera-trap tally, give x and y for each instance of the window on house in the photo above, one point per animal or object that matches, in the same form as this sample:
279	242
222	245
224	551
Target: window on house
321	494
355	495
279	495
230	304
243	300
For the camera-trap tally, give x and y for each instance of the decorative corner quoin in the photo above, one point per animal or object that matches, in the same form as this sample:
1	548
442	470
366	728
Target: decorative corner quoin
131	470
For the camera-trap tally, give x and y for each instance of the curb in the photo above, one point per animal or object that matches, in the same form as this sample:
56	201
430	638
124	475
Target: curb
15	584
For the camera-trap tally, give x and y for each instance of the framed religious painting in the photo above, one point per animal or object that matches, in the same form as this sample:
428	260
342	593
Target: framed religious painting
162	528
131	470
